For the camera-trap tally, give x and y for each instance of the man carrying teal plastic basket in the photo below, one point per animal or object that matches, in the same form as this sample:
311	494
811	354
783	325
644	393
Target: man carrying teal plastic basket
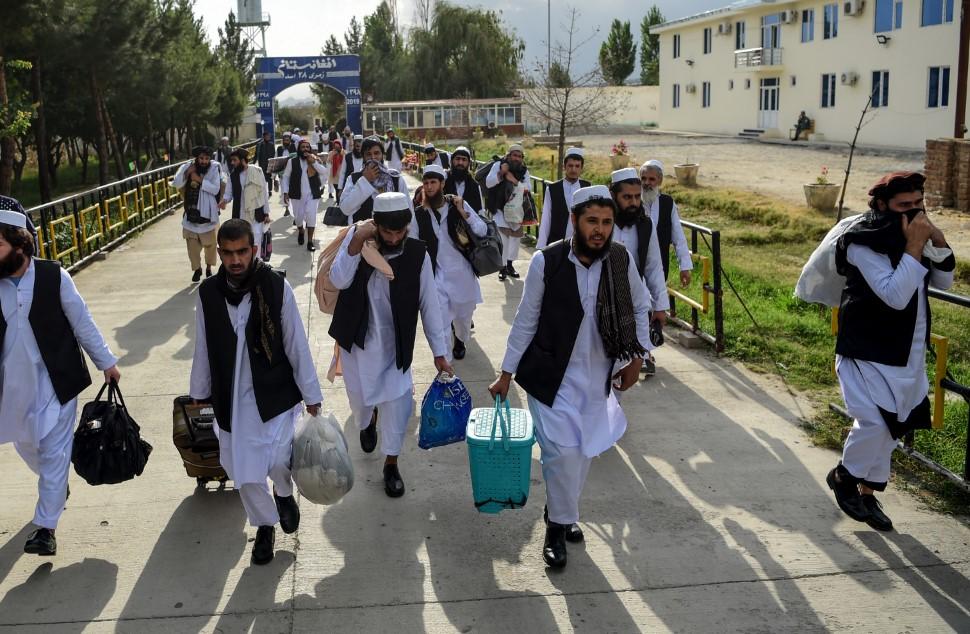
581	329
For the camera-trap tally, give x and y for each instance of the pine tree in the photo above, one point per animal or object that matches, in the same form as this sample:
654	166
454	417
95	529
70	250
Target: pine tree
618	54
650	48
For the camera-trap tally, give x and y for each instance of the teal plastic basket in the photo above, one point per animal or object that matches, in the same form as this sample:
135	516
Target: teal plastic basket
501	467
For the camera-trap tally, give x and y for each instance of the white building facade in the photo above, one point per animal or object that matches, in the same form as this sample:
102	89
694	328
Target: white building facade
755	65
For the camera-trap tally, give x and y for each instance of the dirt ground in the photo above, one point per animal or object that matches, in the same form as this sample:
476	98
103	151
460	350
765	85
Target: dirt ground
781	169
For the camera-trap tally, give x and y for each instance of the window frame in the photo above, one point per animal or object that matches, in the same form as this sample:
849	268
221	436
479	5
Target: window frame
708	40
830	21
942	92
740	35
895	16
705	94
828	90
882	99
945	14
676	46
676	95
810	23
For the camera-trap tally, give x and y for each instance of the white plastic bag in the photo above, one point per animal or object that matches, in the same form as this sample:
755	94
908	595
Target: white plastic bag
820	282
322	469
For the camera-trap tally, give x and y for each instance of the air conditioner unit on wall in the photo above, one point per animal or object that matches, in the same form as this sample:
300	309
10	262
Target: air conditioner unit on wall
853	7
690	88
724	28
789	17
850	78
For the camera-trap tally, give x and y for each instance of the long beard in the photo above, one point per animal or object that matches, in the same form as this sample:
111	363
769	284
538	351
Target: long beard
435	202
11	264
459	173
649	196
582	248
627	217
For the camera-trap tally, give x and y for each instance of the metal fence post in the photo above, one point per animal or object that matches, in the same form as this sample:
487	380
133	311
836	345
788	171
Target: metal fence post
718	298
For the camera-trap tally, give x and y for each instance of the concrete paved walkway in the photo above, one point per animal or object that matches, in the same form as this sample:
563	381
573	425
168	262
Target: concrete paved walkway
710	515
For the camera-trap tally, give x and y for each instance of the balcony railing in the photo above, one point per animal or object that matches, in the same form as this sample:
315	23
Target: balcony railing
757	57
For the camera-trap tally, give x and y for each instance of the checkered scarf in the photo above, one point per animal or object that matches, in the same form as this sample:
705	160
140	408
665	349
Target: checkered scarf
614	307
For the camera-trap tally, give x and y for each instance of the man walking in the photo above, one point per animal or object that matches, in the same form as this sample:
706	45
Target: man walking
461	182
353	163
357	199
43	326
303	184
265	150
394	151
665	217
579	333
436	157
202	188
375	322
506	174
252	362
558	200
248	194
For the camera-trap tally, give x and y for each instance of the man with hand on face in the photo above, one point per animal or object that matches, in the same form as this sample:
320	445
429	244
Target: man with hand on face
375	322
889	257
505	175
555	223
635	230
357	200
579	333
461	182
303	183
353	163
666	219
43	327
252	362
443	222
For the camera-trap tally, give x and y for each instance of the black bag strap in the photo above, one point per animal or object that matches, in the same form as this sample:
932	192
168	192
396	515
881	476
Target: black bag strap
114	394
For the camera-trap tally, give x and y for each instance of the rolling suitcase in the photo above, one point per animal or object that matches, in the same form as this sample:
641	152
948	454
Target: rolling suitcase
195	438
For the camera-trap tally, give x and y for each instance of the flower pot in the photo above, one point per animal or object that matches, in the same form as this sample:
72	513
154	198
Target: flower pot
822	197
620	161
687	173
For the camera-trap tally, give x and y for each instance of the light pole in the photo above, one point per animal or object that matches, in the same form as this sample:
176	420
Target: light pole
549	36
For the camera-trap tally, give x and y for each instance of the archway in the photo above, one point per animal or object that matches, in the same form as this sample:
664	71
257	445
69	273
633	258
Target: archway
340	72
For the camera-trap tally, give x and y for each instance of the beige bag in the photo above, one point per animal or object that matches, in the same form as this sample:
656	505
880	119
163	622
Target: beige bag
323	288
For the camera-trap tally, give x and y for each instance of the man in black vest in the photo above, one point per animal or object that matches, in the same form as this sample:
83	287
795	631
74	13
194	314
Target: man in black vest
265	150
353	163
636	231
461	182
434	157
304	182
357	199
44	325
252	362
889	258
666	218
286	148
375	322
579	333
554	224
394	151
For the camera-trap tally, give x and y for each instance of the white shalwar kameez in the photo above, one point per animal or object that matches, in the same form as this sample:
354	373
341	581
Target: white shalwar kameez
31	417
585	420
510	244
371	375
866	385
653	274
458	289
305	208
255	449
255	194
356	194
545	221
677	237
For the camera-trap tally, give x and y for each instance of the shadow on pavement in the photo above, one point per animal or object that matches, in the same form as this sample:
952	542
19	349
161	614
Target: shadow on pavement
41	598
156	327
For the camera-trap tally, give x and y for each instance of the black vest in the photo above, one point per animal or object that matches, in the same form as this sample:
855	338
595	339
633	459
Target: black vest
445	162
644	228
366	210
393	147
559	210
349	324
235	181
472	195
426	233
273	383
296	178
55	338
665	230
543	365
349	168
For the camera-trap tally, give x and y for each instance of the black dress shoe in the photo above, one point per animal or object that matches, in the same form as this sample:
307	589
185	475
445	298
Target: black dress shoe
847	494
41	542
393	484
310	246
208	271
513	273
502	274
299	237
289	513
263	546
877	519
554	548
368	435
197	275
574	534
458	351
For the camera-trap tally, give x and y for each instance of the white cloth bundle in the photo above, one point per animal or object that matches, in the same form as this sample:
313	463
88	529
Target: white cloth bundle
820	282
514	210
322	468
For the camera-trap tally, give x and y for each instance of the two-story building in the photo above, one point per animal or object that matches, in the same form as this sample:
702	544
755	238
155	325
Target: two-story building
753	66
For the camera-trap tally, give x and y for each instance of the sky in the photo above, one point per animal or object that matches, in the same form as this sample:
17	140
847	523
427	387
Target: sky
300	27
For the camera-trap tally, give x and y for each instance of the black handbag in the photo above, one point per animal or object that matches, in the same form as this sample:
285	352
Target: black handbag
334	217
108	448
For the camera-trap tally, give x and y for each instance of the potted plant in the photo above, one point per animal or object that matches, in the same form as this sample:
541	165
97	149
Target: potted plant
686	173
620	155
822	194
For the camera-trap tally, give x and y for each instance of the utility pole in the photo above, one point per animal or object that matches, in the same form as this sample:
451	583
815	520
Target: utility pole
960	112
549	35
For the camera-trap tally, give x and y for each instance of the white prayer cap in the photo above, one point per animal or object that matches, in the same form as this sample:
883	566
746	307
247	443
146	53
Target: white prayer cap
13	218
625	174
390	201
516	147
225	138
435	170
429	147
358	137
653	164
574	151
461	150
593	192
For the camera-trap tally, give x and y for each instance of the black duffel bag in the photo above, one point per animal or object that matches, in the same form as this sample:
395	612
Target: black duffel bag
107	446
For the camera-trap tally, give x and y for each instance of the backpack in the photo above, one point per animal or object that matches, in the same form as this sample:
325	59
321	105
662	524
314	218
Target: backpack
482	172
485	254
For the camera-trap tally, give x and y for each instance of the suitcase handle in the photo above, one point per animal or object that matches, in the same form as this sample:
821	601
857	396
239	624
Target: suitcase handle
505	422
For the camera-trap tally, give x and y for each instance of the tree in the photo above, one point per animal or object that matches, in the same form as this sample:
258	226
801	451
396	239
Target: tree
618	54
650	47
564	98
235	50
332	103
354	37
380	52
423	13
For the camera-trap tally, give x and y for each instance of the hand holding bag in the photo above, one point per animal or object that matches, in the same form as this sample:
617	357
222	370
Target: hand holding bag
108	447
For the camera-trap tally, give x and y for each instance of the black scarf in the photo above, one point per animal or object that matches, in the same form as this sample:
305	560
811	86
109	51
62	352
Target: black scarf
614	307
236	178
234	292
881	231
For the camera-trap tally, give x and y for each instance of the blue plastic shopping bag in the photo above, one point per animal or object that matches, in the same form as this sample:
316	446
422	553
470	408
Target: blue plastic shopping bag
444	412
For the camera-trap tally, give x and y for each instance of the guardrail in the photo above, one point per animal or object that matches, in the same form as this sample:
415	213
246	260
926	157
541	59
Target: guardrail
943	382
76	228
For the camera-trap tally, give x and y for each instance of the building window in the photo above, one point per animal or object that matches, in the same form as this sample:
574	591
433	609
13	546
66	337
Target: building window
880	88
739	35
747	84
771	31
939	88
708	39
808	25
830	15
676	95
936	12
889	15
705	94
676	46
828	90
730	84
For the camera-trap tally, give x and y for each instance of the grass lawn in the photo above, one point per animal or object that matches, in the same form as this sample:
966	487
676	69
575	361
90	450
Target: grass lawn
68	182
